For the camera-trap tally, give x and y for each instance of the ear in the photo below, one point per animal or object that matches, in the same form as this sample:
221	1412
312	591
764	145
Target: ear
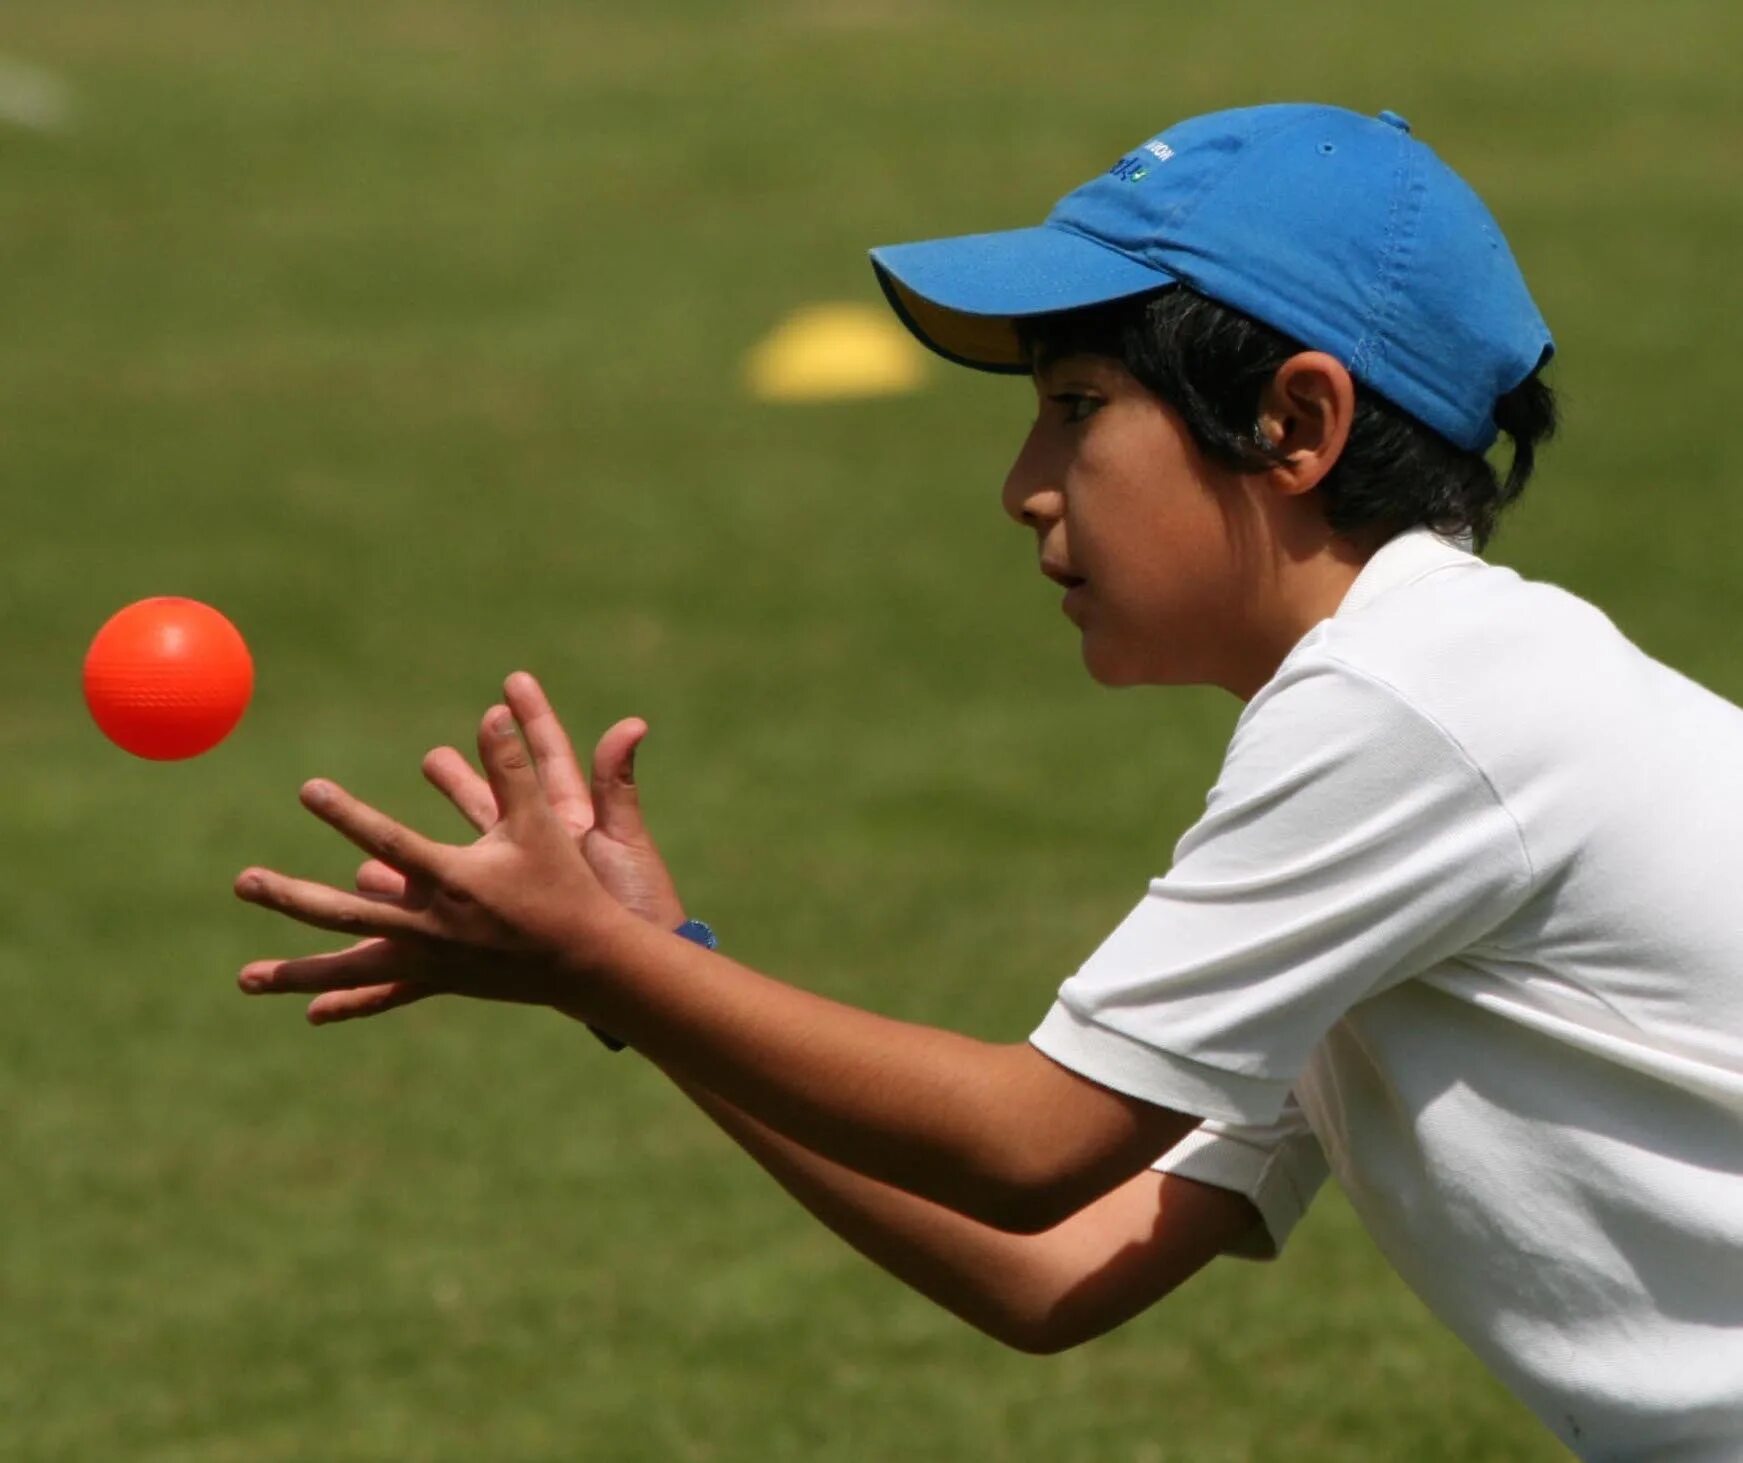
1306	410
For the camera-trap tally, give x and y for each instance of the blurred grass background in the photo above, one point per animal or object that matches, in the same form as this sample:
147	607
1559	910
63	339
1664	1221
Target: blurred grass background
407	333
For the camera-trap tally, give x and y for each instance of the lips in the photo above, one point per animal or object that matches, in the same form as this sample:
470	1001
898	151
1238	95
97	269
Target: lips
1059	574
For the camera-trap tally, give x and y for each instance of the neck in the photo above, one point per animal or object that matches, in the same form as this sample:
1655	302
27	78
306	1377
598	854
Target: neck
1300	579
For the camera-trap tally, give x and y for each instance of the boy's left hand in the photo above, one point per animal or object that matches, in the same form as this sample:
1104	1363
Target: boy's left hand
512	917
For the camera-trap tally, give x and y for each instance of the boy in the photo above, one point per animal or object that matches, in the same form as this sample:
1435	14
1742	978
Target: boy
1457	921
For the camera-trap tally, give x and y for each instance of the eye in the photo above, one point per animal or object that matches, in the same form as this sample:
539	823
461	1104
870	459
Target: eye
1078	407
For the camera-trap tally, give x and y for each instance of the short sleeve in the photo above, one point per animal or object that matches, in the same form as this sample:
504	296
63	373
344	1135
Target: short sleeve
1278	1166
1349	844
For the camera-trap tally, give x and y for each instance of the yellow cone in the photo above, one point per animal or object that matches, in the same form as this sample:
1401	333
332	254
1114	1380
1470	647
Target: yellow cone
830	352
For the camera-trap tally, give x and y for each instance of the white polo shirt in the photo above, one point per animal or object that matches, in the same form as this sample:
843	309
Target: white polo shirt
1463	918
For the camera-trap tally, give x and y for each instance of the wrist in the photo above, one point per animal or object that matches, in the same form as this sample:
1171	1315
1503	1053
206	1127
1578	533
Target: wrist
597	943
696	931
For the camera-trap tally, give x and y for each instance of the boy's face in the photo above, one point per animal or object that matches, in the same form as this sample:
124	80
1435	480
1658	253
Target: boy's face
1120	498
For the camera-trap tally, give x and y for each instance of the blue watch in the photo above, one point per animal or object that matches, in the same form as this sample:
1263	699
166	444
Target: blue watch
693	930
697	931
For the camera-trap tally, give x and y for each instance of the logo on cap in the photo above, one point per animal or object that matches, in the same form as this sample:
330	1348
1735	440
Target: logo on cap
1132	168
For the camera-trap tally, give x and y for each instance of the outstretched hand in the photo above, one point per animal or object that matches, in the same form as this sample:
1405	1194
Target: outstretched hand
509	918
603	816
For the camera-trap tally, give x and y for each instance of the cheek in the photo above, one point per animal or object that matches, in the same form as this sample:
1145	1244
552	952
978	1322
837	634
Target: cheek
1134	558
1166	538
1157	600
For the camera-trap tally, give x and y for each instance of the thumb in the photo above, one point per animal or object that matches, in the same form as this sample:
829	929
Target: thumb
617	807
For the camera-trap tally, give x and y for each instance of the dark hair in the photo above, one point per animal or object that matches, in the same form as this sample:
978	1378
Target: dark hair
1210	363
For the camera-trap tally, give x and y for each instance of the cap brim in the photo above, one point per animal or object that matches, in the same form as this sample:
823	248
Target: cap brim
962	296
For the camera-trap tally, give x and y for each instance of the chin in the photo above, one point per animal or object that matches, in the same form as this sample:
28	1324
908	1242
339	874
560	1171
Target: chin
1110	669
1107	666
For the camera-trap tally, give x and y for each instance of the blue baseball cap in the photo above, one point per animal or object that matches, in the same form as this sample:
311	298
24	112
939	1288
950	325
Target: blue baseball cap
1341	231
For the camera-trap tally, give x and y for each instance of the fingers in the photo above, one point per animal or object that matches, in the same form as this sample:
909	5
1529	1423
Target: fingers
367	963
369	1000
509	766
553	753
374	832
616	799
453	776
326	908
375	878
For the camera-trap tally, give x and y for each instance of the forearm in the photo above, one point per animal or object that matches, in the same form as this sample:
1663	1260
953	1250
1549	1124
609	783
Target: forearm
995	1132
1038	1293
1000	1283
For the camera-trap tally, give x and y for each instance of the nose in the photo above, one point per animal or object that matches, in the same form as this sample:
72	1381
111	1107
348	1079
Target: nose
1031	495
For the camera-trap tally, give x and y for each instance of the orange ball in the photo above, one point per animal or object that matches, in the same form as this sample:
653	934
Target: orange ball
168	678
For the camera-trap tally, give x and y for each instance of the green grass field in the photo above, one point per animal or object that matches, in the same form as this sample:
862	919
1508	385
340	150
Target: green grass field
407	332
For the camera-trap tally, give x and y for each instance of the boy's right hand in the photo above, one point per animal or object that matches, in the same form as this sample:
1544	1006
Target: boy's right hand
604	816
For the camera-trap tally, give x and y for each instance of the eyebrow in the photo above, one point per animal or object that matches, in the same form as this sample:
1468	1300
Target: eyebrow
1043	352
1043	359
1044	355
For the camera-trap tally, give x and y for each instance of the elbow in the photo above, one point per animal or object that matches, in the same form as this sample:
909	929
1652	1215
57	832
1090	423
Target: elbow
1044	1332
1033	1333
1039	1340
1060	1319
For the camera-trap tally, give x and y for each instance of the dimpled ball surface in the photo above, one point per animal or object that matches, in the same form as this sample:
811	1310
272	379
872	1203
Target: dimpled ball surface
168	678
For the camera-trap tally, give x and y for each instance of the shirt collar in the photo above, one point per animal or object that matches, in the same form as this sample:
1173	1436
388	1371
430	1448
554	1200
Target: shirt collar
1412	555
